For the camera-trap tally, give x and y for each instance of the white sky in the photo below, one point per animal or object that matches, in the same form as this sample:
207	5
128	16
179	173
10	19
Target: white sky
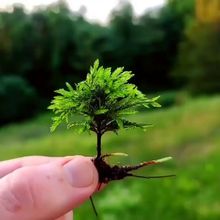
97	10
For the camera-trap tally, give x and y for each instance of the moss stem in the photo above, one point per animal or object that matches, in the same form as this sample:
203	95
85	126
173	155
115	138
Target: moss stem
99	137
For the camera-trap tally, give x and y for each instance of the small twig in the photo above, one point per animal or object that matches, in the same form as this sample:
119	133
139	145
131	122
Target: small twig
151	177
93	206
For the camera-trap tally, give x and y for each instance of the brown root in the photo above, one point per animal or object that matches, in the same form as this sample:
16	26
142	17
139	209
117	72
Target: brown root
108	173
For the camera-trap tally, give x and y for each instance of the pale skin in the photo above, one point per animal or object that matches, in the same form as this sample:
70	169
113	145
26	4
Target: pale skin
45	188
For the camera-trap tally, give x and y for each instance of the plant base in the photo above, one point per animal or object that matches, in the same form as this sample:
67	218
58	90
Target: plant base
108	173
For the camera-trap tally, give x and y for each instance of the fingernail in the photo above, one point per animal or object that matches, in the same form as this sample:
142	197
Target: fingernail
80	172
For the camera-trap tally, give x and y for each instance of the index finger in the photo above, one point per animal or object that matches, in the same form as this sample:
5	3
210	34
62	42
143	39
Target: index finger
9	166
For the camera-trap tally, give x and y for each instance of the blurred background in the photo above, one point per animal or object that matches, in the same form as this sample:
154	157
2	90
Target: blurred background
172	47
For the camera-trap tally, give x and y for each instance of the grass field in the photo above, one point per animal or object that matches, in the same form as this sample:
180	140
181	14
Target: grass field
190	133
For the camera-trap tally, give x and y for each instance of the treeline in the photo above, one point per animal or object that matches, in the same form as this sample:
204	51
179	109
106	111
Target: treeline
40	51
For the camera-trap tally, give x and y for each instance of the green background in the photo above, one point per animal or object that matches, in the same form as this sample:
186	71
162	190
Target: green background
189	132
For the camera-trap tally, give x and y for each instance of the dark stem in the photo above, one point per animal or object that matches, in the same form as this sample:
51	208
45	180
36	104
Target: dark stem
99	137
150	177
93	206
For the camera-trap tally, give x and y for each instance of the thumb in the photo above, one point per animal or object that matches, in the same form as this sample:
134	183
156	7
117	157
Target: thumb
47	191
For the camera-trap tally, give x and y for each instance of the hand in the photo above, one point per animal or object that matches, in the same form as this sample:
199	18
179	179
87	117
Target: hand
44	188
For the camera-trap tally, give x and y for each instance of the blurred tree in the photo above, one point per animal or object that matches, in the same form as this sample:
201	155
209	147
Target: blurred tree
208	11
123	33
14	31
50	46
18	99
158	38
199	61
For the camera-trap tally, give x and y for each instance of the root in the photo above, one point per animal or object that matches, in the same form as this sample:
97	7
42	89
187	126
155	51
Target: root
109	173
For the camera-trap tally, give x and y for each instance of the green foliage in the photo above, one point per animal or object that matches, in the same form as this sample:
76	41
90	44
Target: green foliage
69	43
104	99
199	67
18	99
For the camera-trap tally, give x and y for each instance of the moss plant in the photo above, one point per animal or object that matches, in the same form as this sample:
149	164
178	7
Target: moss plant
103	100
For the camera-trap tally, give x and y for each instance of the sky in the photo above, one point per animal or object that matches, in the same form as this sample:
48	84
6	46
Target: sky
97	10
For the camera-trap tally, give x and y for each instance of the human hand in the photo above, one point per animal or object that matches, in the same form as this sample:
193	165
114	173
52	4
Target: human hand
44	188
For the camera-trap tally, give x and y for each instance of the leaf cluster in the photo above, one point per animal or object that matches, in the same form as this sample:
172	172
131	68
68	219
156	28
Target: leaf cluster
103	99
